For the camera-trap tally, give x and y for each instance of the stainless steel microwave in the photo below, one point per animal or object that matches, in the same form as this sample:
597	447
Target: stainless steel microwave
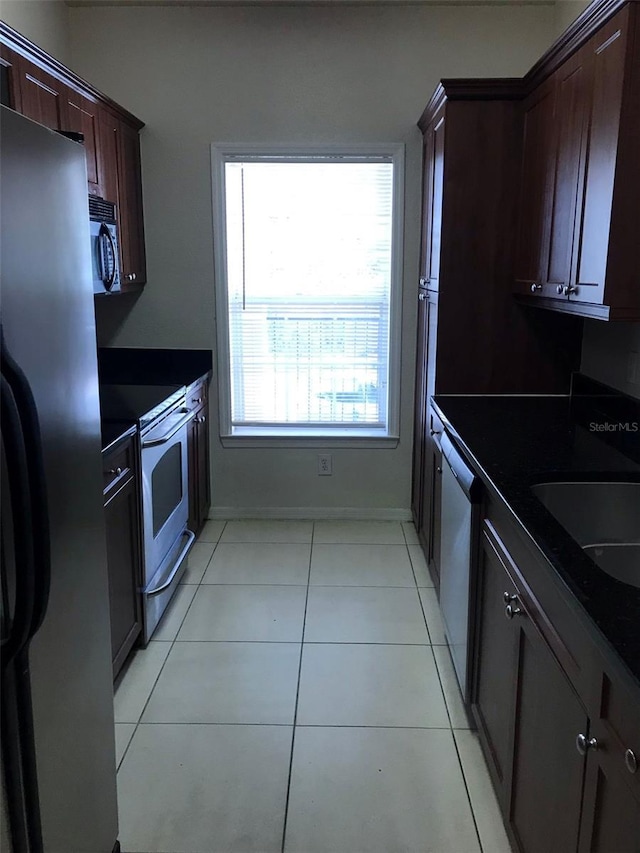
105	256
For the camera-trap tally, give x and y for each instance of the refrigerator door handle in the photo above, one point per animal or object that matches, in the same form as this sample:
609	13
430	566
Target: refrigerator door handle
28	419
21	552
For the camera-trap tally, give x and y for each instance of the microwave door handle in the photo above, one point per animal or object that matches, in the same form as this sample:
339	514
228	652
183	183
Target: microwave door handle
162	439
109	279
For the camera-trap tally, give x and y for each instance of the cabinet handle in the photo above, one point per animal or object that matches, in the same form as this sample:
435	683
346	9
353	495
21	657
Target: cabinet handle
130	276
583	744
116	471
507	597
510	611
535	287
197	400
439	470
631	761
201	419
424	282
566	289
422	297
435	432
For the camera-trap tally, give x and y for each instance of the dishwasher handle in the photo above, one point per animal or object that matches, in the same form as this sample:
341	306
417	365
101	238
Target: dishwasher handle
466	478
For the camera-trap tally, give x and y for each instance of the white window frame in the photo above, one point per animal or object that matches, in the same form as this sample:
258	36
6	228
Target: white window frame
263	436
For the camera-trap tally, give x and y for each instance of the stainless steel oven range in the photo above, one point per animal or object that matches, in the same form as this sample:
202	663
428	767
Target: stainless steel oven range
162	417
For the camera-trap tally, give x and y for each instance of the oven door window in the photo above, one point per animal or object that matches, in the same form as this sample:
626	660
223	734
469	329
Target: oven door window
166	486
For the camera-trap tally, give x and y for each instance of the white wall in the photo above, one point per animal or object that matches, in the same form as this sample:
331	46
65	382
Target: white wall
607	351
45	22
281	74
566	11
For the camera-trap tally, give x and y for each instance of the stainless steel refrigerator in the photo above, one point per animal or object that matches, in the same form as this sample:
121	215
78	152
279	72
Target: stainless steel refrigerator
58	751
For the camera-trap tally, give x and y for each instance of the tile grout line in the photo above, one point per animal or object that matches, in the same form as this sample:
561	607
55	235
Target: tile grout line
295	710
171	645
468	792
446	705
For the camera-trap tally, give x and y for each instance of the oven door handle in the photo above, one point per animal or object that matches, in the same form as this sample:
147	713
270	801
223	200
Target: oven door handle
162	439
190	538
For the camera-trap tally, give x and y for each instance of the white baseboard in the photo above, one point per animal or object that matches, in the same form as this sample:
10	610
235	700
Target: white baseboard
316	513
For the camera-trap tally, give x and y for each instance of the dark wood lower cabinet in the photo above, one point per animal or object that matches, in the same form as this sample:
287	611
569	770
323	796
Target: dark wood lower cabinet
122	521
611	810
198	453
554	796
547	770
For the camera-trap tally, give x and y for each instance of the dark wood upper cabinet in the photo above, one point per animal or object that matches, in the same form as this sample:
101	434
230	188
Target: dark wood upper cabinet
536	187
38	86
84	117
43	97
134	270
580	181
433	186
9	78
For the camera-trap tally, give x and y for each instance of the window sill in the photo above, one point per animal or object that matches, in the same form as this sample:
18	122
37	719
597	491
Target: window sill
249	437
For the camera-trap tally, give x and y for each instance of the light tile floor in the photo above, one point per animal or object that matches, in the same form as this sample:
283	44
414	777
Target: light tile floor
298	697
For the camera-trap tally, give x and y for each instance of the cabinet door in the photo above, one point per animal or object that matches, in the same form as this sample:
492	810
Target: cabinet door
123	561
108	152
84	117
536	191
495	667
420	411
433	188
198	455
608	51
9	79
611	808
130	206
572	84
435	511
203	479
547	770
43	98
193	470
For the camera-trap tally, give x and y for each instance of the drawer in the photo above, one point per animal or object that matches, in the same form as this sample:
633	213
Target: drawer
197	394
118	465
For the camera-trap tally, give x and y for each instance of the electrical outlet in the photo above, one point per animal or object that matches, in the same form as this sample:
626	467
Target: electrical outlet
324	466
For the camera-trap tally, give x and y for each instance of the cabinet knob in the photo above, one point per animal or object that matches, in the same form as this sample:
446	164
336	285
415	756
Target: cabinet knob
422	297
424	282
201	419
535	287
435	431
630	760
583	744
510	611
116	471
130	276
566	289
439	470
507	597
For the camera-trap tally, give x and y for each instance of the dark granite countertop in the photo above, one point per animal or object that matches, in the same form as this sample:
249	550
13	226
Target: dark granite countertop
114	431
514	442
146	366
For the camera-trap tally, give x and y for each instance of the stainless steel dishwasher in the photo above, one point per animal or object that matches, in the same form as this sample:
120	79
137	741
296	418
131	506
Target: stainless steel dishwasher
460	522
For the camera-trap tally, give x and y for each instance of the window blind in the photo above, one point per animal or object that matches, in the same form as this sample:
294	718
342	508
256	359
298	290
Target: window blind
308	257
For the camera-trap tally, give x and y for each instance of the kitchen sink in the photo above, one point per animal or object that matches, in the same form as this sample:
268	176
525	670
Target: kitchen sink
603	518
622	562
